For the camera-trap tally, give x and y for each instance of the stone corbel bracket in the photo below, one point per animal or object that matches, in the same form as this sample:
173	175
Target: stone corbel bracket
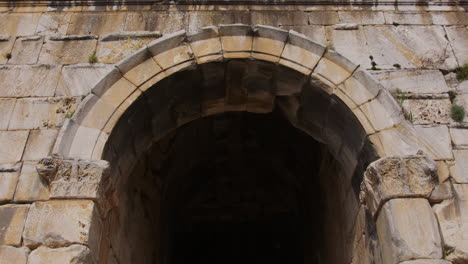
74	178
397	177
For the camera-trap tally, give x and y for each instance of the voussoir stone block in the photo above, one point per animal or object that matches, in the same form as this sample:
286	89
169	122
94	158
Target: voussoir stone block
302	50
171	49
407	229
10	254
236	38
60	223
12	223
269	40
205	42
76	254
397	177
334	67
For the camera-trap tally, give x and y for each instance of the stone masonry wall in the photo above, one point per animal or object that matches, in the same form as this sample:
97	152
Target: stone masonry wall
50	58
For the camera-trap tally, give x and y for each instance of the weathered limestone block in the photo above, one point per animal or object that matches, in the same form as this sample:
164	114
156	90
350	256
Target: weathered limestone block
361	87
18	24
20	81
35	113
73	178
164	22
269	40
15	255
39	144
114	51
26	50
407	18
449	18
237	39
79	79
397	177
12	223
458	36
206	44
198	19
315	33
76	254
67	51
459	136
97	23
324	18
407	229
351	44
13	143
171	49
428	111
442	191
459	171
279	18
382	111
426	261
60	223
30	185
439	138
9	174
302	51
410	47
361	17
453	222
6	45
412	81
6	108
53	24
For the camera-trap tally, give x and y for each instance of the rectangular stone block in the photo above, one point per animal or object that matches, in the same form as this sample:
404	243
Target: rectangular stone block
14	255
324	18
116	50
53	24
439	138
412	81
79	79
428	111
39	144
351	44
279	18
26	50
6	108
13	143
6	45
458	36
59	223
361	17
22	81
19	24
12	223
9	174
407	229
165	22
67	51
96	23
408	18
459	171
459	136
31	187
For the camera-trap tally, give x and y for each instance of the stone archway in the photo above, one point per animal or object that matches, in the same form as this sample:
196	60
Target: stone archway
317	90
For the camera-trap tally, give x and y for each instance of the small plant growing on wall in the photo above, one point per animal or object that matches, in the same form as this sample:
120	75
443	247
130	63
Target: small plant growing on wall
457	113
8	56
462	72
93	58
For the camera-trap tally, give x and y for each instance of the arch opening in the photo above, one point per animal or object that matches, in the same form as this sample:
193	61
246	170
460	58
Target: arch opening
209	166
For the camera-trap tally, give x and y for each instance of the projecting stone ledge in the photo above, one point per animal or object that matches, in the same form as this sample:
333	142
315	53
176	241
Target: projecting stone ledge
397	177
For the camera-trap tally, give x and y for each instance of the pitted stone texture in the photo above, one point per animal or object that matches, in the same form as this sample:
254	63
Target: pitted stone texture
20	81
67	51
12	222
30	185
428	111
407	229
453	221
9	175
36	113
15	255
74	254
412	81
13	143
78	80
395	177
61	223
72	178
26	50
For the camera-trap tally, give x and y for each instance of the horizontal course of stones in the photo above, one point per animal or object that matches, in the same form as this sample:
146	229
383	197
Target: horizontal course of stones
35	106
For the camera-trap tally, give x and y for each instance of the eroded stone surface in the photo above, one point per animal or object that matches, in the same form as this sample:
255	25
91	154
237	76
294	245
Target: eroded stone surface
12	223
15	255
9	175
78	80
395	177
413	81
67	51
76	254
453	221
39	144
428	111
407	229
20	81
13	143
30	185
46	224
459	171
